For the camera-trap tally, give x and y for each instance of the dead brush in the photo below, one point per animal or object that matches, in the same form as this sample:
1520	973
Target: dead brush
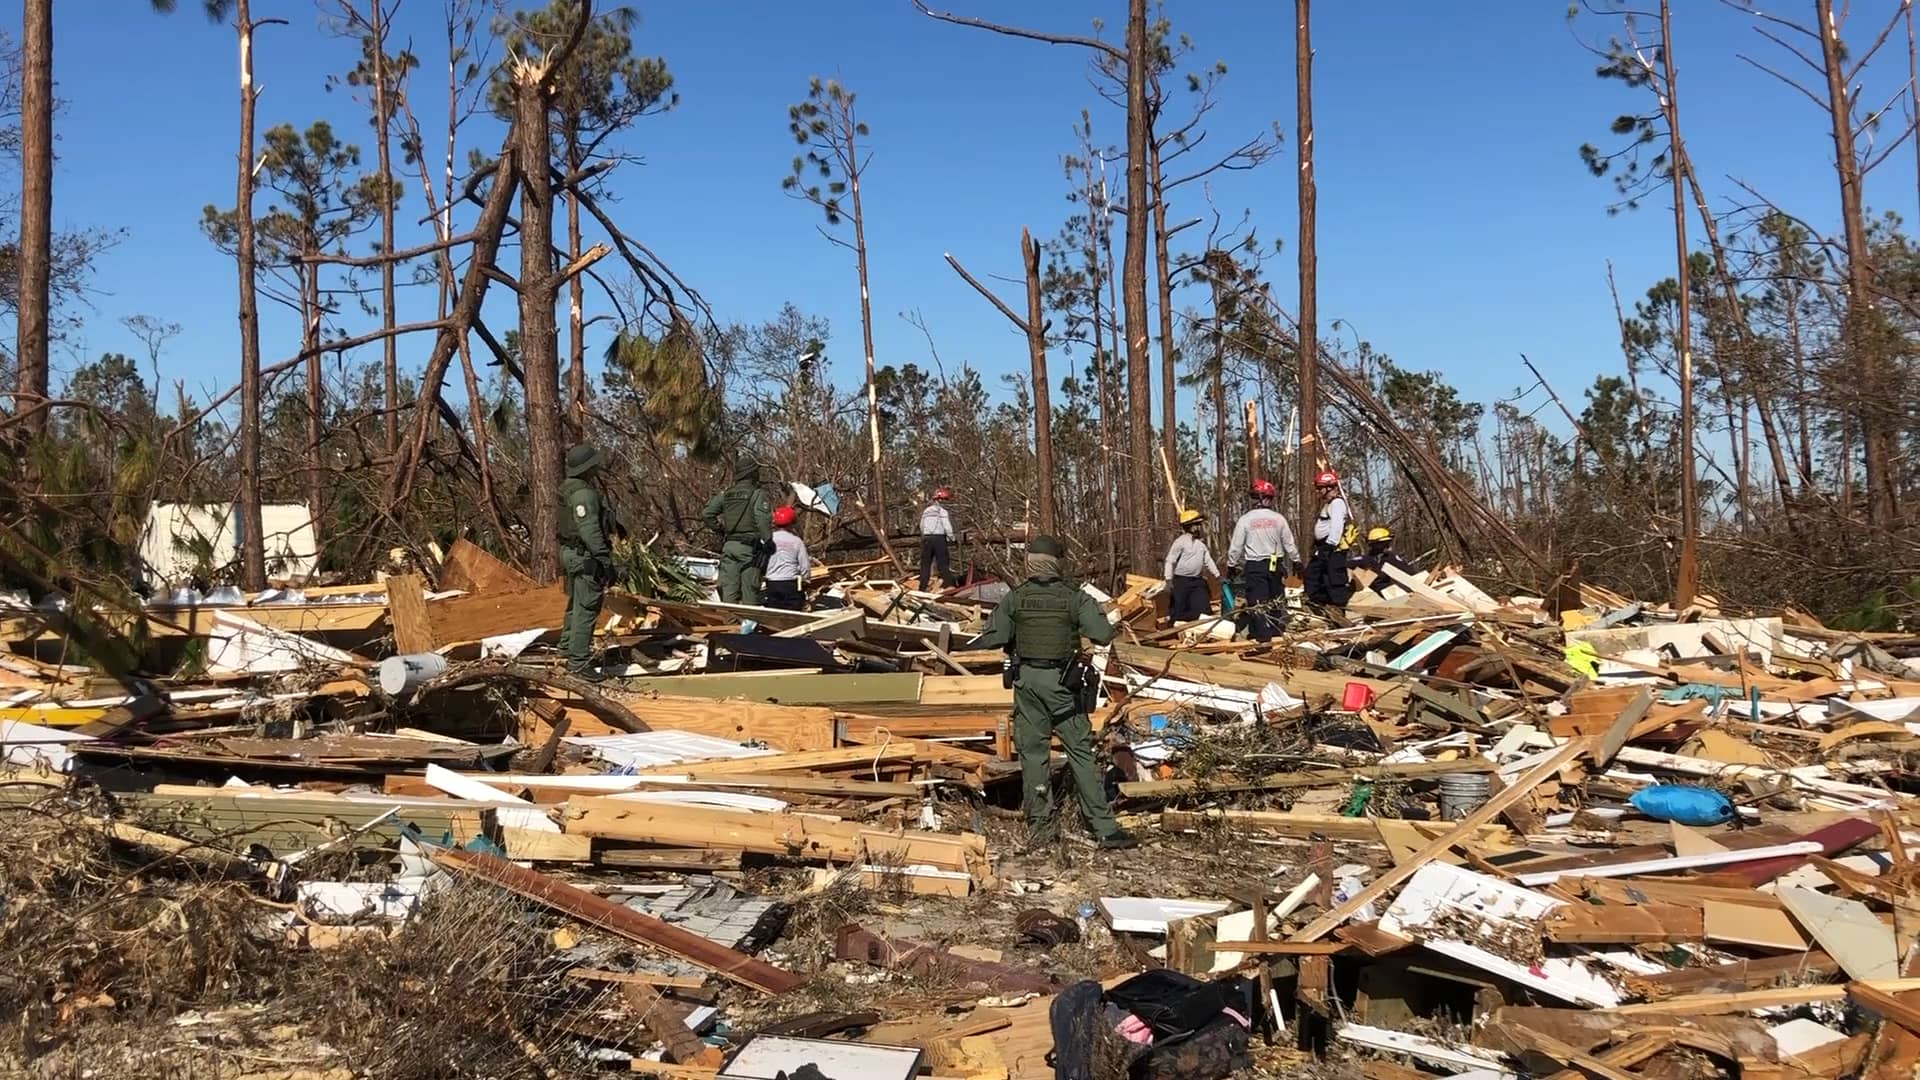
819	913
470	987
87	927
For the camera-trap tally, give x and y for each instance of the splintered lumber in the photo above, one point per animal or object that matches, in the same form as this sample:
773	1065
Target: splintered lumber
470	568
791	835
1462	830
407	614
1301	826
783	727
1886	1006
624	921
1249	675
484	615
787	687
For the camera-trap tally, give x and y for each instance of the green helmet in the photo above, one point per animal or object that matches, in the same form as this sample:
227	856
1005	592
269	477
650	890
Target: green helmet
747	468
581	460
1046	545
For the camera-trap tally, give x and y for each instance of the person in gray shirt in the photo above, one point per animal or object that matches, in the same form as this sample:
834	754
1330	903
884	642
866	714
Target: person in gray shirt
787	565
1186	559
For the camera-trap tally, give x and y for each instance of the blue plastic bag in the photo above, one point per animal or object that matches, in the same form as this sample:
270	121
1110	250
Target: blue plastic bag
1684	804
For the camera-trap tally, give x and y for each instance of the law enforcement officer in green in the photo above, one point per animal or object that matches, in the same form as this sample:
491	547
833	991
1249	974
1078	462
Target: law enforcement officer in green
1041	624
743	516
585	528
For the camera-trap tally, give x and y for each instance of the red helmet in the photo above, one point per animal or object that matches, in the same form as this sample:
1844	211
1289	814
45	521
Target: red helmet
783	516
941	494
1263	489
1327	478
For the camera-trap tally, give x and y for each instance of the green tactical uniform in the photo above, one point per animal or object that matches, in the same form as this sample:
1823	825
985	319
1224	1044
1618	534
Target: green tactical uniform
585	555
743	516
1042	621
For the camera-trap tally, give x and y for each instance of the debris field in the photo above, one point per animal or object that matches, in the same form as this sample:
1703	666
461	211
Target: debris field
373	830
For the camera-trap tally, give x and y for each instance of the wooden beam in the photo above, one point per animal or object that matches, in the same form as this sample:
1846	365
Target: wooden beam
1616	736
790	835
1462	830
407	614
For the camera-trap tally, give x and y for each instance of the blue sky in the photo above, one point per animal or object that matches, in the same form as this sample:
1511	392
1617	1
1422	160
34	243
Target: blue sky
1457	225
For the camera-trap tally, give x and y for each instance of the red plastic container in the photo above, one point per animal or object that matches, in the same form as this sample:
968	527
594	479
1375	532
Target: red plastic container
1358	696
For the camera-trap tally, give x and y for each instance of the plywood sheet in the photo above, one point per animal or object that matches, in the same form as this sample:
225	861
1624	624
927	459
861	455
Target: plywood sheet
1847	929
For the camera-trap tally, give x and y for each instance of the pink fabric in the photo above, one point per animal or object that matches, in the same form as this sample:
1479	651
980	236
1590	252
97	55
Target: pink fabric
1134	1029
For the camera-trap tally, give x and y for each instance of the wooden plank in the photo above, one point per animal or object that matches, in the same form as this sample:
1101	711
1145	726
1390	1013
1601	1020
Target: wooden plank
624	921
1303	826
1462	830
1732	977
407	614
971	691
485	615
787	688
783	727
1746	1000
1147	789
1900	1010
1252	675
790	835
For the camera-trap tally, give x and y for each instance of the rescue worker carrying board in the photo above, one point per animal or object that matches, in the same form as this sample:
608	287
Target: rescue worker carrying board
1333	534
1187	557
1041	624
743	516
1380	554
787	566
936	540
1260	538
586	557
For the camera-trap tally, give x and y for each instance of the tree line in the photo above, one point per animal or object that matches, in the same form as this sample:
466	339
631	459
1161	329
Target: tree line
1754	444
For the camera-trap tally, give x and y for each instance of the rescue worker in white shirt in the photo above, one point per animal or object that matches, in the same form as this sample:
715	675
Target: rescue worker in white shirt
1262	550
1187	557
936	539
1380	554
1333	534
787	565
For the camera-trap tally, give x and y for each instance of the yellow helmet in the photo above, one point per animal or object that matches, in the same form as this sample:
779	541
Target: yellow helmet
1191	517
1378	533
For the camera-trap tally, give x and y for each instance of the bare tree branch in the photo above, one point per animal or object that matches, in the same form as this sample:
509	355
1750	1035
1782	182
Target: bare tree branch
1021	32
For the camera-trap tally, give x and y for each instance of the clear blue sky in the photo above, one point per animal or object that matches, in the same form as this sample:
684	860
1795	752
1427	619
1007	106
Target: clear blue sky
1457	224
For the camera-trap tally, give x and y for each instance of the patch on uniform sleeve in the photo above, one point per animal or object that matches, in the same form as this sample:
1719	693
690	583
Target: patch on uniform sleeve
579	510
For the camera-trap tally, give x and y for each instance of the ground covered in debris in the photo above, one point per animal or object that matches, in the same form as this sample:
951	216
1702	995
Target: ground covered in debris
1437	832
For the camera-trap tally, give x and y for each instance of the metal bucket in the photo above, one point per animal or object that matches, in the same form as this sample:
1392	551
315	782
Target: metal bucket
1462	793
